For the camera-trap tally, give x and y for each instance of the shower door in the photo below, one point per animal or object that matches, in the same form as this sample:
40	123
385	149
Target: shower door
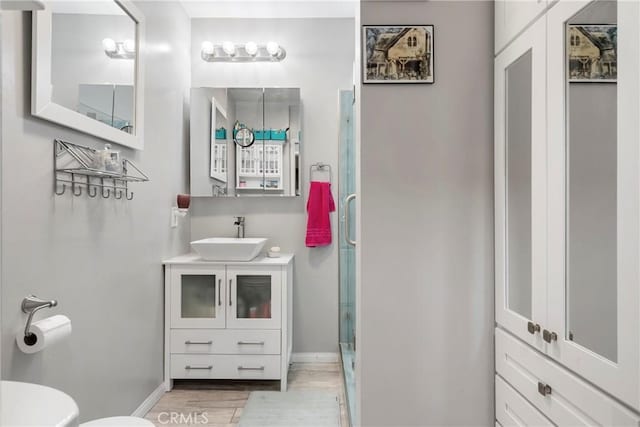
347	187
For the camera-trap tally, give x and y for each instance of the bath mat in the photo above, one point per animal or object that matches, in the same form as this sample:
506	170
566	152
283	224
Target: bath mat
291	409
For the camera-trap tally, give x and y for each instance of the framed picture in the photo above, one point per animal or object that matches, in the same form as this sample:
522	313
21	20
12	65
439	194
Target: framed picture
397	54
592	53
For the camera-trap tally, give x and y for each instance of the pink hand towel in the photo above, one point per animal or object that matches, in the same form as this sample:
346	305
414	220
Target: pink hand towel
319	205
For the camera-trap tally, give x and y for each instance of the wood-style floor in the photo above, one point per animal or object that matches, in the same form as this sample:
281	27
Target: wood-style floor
222	401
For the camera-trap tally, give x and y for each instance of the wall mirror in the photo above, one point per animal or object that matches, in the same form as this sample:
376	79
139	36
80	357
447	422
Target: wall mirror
519	183
245	142
87	68
591	178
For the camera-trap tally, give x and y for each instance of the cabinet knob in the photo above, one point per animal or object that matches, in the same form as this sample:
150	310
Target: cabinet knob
544	389
549	336
532	328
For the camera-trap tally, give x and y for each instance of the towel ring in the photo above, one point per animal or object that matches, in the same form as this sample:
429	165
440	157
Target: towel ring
320	167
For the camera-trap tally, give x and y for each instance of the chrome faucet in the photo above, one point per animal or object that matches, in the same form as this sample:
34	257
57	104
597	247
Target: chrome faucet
240	224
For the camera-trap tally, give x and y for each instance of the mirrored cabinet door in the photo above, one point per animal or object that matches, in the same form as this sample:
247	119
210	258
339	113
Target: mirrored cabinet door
198	298
255	298
593	192
520	156
245	142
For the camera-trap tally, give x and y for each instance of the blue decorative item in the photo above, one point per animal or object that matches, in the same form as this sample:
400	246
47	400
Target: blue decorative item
278	134
221	133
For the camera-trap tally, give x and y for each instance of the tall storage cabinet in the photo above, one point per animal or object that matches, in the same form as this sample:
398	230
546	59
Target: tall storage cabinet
567	195
228	320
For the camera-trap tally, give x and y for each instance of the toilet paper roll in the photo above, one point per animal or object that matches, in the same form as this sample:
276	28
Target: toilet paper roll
46	331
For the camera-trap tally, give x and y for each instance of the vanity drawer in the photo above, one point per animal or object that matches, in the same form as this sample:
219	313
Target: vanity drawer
233	367
225	341
513	410
568	400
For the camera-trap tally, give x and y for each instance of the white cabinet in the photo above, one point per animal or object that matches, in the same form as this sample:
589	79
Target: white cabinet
567	194
514	410
513	16
228	321
197	299
521	184
565	399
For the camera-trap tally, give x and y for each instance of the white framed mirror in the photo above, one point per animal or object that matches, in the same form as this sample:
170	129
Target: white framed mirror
87	68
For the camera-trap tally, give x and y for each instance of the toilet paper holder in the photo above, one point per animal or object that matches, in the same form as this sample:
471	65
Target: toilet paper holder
30	305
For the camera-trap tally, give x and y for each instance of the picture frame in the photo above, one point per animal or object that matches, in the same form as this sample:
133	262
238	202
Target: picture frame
398	54
592	53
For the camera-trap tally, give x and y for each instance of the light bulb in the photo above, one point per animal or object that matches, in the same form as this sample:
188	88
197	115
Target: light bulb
273	48
109	45
129	46
229	48
207	48
251	48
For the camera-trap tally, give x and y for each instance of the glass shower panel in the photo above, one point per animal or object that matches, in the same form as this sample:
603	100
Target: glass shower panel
347	187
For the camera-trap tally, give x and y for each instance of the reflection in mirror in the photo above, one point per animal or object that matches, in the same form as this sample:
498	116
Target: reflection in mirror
224	162
518	158
93	61
591	46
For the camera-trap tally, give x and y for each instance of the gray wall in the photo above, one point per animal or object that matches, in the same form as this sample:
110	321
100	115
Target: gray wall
100	258
319	61
426	241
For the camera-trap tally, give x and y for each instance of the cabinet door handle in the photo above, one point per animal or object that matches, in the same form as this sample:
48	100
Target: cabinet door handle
189	367
544	389
242	368
532	328
199	342
250	342
549	336
219	292
230	280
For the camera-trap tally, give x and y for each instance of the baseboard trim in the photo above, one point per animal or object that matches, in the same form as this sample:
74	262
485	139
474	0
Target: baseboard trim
149	402
315	357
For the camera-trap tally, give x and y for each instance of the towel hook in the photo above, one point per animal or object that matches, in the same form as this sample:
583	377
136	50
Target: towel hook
89	186
73	186
30	305
103	188
64	188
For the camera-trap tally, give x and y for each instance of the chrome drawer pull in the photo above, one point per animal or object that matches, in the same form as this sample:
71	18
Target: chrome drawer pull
532	328
199	342
242	368
544	389
189	367
549	336
250	342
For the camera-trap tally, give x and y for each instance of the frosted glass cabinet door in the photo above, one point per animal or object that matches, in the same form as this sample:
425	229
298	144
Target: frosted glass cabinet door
594	321
197	298
520	185
254	298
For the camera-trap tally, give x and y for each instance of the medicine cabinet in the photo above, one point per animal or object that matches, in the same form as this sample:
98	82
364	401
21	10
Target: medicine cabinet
245	142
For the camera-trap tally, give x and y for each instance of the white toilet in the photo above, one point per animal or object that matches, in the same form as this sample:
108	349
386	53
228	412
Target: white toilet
25	404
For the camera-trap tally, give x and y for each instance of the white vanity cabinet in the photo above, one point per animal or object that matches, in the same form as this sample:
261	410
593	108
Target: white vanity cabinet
567	207
228	320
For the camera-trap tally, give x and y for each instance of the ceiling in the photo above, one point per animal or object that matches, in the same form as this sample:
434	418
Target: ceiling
270	8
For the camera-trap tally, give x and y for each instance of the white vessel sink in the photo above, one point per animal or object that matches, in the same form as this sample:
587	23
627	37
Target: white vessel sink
228	248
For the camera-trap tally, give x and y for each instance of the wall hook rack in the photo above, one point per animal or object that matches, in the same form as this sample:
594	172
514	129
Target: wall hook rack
71	160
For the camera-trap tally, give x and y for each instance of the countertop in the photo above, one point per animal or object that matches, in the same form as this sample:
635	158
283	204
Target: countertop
194	259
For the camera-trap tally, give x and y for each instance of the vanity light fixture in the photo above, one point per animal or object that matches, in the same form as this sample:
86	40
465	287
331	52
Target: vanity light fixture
119	50
248	52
